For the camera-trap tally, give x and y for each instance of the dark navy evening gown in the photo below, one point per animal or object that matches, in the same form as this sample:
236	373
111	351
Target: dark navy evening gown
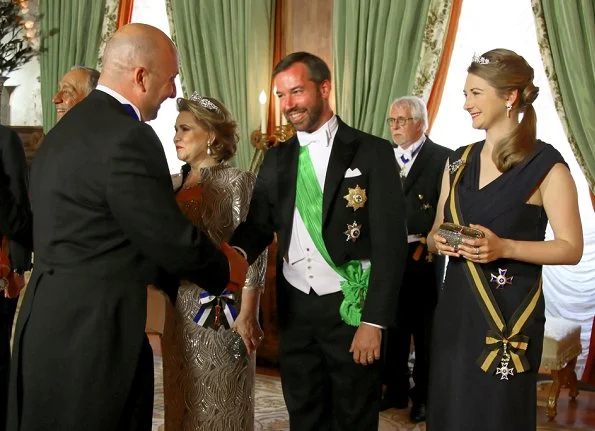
462	396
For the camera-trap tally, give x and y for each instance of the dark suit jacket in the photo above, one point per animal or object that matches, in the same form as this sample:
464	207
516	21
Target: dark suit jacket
383	235
422	187
15	210
104	217
422	191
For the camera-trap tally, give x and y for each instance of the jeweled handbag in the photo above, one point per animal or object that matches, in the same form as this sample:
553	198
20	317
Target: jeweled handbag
11	283
455	233
236	347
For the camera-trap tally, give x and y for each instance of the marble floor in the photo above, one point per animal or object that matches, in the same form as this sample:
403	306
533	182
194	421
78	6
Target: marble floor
271	415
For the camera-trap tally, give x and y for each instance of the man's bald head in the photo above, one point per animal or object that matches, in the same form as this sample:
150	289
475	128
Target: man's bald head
140	62
134	45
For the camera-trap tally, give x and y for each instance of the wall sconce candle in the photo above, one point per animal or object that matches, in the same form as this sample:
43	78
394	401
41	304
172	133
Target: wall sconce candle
277	107
263	117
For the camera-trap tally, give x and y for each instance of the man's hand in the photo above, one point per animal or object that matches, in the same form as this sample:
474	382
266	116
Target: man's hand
238	267
366	344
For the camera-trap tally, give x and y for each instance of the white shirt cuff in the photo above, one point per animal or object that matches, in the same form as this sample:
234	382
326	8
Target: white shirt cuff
375	325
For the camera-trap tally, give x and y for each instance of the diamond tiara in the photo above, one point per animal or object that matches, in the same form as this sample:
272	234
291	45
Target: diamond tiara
480	59
205	103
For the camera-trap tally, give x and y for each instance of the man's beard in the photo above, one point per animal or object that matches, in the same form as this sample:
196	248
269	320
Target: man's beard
311	117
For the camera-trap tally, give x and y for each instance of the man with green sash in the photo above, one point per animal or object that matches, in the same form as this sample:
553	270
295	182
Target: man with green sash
333	197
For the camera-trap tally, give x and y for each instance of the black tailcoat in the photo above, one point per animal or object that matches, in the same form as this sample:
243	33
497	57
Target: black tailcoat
322	385
382	217
105	222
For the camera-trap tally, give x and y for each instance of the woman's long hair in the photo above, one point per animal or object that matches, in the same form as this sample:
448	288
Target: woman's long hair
507	71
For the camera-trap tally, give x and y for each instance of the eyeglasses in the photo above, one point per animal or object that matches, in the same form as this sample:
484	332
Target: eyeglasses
401	121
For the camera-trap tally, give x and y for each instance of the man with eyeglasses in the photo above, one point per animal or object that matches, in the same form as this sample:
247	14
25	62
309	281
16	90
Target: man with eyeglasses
421	163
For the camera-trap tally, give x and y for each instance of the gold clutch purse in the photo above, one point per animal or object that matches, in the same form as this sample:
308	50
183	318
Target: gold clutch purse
455	233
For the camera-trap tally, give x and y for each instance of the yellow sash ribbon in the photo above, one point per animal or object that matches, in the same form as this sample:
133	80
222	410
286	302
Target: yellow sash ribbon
504	341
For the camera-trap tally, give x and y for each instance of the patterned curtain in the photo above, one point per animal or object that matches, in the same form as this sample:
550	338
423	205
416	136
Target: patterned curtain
437	48
226	52
566	36
110	25
79	24
434	36
376	52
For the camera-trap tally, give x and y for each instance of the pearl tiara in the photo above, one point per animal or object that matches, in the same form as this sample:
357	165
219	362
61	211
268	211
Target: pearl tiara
205	103
480	59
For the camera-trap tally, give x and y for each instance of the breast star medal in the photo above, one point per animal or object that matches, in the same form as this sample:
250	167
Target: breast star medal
501	279
356	198
353	231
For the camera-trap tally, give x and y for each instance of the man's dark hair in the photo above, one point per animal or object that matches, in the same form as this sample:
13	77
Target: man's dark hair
317	68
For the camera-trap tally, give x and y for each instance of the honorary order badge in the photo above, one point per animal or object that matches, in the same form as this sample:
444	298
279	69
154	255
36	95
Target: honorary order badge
356	198
353	231
501	279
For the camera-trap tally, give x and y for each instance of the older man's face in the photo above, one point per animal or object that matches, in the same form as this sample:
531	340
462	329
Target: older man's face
409	131
73	88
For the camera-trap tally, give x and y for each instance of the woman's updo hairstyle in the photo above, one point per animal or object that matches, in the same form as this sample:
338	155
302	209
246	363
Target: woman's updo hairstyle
216	118
507	71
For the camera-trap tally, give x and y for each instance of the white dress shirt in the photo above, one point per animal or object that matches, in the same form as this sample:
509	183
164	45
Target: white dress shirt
305	268
119	98
406	158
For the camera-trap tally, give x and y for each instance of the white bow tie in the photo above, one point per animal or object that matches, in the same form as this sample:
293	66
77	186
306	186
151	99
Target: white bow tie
322	137
308	143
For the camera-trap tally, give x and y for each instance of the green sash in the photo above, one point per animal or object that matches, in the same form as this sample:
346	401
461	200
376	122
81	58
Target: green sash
504	340
309	204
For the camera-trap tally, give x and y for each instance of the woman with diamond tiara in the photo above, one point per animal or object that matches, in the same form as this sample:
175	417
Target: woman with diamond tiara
489	323
209	343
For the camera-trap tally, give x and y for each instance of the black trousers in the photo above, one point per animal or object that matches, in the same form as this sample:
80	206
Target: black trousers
62	388
324	389
138	412
7	310
417	301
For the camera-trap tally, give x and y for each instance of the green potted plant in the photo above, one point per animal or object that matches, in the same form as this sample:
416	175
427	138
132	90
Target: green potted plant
15	46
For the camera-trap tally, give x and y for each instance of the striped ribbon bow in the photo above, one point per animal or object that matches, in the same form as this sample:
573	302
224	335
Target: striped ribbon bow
497	346
208	301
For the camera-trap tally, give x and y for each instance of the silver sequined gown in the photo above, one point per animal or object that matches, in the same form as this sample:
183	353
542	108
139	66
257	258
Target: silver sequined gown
207	385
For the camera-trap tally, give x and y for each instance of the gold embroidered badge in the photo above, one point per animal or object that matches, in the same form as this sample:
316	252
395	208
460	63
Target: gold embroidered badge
356	198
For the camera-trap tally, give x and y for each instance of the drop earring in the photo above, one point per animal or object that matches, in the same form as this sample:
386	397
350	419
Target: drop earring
209	150
508	108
